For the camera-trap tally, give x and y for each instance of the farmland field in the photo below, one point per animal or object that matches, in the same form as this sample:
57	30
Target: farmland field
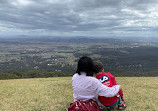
55	94
42	57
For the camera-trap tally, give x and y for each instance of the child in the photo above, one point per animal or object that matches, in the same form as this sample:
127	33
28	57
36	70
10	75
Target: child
109	80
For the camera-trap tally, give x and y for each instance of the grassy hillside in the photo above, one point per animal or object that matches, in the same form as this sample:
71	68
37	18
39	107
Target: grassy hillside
55	94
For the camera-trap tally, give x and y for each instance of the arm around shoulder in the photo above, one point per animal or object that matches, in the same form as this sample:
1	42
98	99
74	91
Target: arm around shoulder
108	91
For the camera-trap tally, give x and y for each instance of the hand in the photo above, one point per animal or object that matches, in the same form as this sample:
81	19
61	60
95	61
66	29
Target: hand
120	89
123	99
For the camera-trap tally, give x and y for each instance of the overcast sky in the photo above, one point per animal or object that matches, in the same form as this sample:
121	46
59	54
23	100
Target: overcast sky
96	18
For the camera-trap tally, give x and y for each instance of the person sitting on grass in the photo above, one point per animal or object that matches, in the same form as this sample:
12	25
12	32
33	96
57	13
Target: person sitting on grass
109	80
86	88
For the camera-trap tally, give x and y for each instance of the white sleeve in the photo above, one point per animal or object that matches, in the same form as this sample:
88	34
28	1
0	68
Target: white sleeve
103	90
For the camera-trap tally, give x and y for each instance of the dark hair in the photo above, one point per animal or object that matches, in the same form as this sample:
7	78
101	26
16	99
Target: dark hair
98	66
85	64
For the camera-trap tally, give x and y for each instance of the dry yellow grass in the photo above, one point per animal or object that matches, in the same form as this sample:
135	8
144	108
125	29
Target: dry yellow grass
141	93
49	94
55	94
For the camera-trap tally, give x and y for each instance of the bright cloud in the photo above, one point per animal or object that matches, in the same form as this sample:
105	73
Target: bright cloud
21	2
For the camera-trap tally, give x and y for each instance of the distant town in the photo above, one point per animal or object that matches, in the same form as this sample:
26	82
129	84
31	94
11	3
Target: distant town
53	56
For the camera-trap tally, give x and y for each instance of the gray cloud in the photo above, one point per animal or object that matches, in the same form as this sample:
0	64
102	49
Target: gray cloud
81	17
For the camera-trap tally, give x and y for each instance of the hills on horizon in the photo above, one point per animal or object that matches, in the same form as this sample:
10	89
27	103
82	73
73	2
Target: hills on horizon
53	56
